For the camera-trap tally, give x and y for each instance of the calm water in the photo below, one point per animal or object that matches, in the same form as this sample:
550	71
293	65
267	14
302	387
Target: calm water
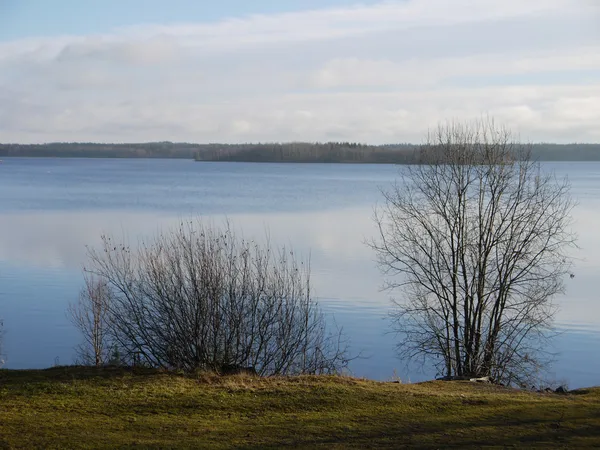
50	209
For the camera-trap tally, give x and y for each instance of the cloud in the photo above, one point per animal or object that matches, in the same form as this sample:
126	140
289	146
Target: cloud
153	50
379	73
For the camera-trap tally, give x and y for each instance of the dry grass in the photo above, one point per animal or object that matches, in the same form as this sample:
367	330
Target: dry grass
112	408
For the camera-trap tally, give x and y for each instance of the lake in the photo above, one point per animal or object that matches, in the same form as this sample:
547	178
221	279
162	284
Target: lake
51	209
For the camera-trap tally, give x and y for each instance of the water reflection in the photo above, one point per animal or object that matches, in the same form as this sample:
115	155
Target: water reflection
42	255
42	252
343	266
333	240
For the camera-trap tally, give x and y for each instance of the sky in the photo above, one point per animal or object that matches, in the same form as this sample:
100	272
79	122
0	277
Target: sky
296	70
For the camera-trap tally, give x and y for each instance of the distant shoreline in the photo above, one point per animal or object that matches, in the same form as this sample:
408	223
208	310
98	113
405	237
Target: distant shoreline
295	152
241	161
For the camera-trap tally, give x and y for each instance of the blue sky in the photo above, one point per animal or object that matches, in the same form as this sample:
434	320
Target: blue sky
240	71
22	18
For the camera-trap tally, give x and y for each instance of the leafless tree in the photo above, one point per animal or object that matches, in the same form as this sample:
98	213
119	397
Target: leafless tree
91	316
1	336
474	240
198	297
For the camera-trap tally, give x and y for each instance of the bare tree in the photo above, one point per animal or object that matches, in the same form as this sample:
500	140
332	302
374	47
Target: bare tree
1	336
475	239
197	297
91	316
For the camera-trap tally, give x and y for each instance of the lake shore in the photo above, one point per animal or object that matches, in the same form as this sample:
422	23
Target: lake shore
75	407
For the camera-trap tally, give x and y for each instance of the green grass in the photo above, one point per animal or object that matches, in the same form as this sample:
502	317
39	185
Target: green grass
114	408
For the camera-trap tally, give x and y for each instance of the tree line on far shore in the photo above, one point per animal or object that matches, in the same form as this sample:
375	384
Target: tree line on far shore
295	152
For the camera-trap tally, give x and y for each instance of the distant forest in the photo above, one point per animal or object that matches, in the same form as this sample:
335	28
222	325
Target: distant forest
299	152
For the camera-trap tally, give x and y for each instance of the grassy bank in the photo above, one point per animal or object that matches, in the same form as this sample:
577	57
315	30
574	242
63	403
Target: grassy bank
77	407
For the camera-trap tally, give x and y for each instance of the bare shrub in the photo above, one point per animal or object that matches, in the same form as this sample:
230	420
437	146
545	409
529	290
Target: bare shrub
198	297
475	239
91	316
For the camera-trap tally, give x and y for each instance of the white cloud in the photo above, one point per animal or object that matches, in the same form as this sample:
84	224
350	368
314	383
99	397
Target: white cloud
381	73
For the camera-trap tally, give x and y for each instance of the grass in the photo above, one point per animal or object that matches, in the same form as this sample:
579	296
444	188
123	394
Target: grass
74	407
